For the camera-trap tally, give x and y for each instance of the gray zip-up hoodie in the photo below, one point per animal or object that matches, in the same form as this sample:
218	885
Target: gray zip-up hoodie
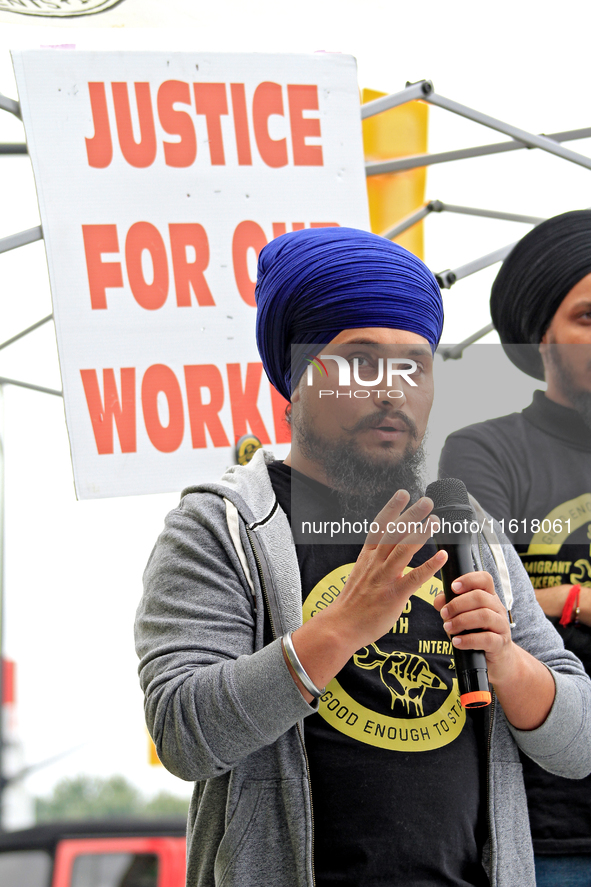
224	711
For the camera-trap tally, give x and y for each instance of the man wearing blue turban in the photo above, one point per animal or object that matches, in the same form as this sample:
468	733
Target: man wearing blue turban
308	688
315	283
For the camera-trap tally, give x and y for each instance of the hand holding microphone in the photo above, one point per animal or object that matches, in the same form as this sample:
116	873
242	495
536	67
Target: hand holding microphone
474	615
452	507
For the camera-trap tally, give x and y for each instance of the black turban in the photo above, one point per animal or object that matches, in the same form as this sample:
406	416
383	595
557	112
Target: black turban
534	279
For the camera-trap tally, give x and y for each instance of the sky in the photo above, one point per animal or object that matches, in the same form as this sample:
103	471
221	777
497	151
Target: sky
73	569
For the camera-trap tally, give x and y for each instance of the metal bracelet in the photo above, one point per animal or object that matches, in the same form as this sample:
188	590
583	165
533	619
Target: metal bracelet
299	669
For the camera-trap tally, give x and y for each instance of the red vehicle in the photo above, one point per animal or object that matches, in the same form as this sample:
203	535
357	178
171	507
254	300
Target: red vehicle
95	853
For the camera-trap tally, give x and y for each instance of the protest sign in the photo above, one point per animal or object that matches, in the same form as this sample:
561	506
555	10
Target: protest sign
160	177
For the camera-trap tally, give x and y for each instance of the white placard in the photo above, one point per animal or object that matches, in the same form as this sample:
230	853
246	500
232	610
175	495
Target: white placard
160	176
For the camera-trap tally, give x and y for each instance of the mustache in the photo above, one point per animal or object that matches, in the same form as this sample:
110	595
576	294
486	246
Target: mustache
375	420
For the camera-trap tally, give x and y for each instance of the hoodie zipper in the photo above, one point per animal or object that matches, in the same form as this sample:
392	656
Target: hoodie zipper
275	636
263	583
310	794
489	741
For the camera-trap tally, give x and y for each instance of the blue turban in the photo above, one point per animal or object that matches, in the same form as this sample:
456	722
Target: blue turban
312	284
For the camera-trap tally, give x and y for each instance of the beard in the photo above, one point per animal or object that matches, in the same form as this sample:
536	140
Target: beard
362	485
569	387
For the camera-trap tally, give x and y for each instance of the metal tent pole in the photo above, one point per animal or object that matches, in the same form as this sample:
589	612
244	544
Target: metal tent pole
520	135
446	279
21	238
425	90
397	164
454	352
10	105
29	329
438	206
408	222
384	103
13	148
30	386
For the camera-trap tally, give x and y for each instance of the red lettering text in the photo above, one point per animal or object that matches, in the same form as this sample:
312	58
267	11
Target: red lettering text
183	152
136	133
100	147
190	272
268	100
205	415
102	414
144	236
161	379
210	100
99	239
304	98
243	401
248	235
163	407
143	153
241	124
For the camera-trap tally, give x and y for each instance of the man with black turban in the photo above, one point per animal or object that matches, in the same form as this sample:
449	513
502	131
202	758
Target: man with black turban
309	689
534	468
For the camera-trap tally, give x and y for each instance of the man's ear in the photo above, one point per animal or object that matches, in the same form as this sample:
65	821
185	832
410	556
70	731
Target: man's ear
545	342
296	395
542	346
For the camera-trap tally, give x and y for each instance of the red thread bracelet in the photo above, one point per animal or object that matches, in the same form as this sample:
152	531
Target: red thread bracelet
571	603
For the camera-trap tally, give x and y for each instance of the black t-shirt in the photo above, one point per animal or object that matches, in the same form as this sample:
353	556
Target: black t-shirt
534	468
396	772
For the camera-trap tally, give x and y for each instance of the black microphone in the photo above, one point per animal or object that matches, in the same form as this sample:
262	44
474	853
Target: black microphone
452	507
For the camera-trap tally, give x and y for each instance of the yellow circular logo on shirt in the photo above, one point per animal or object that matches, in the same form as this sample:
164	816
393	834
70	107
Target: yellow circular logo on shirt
405	680
246	447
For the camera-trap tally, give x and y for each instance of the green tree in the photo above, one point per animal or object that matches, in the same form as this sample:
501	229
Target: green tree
90	797
165	804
